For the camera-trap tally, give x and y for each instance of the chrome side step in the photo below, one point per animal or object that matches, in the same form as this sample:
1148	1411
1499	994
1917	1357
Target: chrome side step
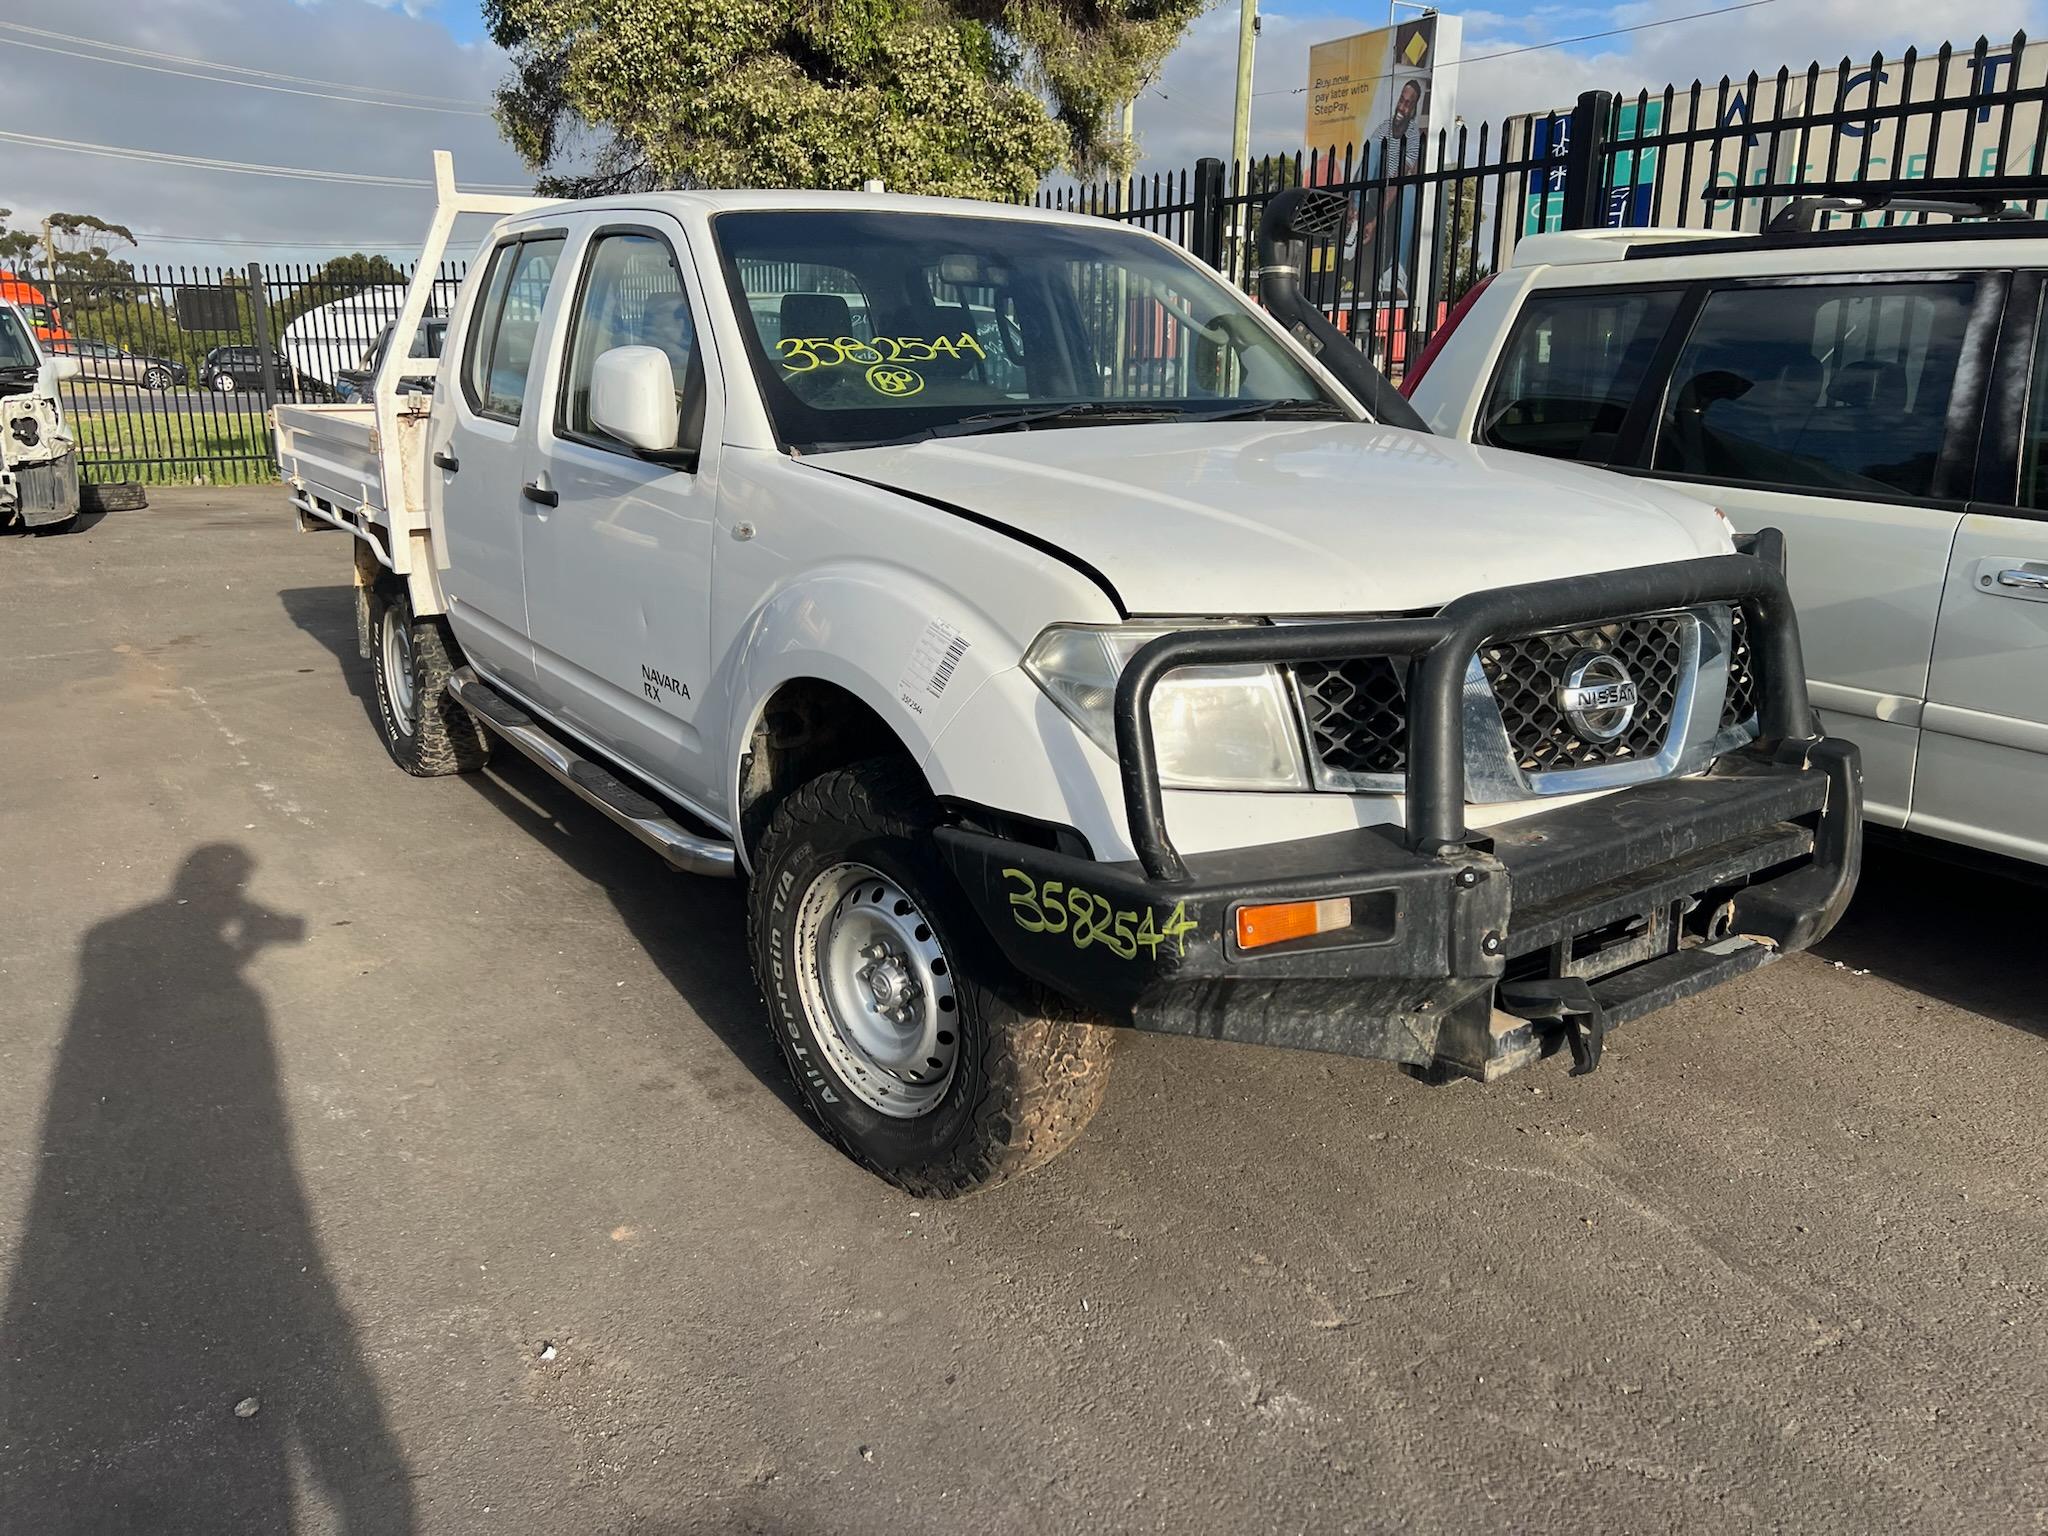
685	850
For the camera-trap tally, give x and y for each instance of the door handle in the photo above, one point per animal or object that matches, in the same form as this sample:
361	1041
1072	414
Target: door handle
533	490
2030	581
447	460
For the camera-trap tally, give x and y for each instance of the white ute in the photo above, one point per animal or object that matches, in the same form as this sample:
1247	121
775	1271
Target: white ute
923	562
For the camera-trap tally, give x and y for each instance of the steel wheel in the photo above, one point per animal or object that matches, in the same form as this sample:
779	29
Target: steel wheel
395	652
878	990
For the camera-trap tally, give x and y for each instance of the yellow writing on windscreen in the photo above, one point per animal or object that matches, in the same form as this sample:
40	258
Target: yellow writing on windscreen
805	354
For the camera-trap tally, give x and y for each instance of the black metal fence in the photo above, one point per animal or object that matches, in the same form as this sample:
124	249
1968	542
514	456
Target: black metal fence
1432	216
178	366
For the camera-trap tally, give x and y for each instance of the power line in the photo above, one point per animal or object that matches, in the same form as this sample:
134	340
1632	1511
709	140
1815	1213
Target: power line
252	85
1565	42
354	243
233	69
203	163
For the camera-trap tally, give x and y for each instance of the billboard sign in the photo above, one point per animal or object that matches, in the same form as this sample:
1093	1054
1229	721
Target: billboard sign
1372	99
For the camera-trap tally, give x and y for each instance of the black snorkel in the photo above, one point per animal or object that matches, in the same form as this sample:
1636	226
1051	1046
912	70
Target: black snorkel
1292	219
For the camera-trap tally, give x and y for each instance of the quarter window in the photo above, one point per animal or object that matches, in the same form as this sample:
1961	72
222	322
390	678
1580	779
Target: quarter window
632	297
508	323
1572	370
1819	387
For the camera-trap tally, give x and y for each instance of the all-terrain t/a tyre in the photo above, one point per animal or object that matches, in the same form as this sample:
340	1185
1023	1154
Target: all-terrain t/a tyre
920	1051
427	732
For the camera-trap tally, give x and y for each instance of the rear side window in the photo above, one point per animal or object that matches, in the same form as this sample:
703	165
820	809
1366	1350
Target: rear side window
1572	369
632	297
501	340
1823	387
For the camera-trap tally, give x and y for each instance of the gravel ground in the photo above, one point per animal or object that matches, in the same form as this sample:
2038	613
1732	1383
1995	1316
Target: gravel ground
380	1155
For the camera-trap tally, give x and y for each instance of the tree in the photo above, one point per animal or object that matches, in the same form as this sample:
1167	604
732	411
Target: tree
972	98
340	277
82	243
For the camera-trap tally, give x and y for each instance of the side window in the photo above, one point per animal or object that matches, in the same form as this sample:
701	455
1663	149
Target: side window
632	297
1822	387
1572	369
507	323
2034	446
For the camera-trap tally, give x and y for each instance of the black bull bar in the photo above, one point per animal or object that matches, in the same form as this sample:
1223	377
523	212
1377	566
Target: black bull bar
1439	650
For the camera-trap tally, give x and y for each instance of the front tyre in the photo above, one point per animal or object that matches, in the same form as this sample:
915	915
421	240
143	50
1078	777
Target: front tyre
426	731
900	1024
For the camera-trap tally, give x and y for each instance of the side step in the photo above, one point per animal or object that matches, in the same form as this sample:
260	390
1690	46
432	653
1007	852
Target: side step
685	850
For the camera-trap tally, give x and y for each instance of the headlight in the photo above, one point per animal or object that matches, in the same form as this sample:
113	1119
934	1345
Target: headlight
1215	727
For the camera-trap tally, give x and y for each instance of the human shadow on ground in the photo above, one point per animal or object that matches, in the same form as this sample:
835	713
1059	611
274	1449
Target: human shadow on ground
173	1352
1964	934
692	928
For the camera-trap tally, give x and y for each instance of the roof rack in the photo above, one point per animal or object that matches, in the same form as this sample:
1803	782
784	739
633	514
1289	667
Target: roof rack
1958	197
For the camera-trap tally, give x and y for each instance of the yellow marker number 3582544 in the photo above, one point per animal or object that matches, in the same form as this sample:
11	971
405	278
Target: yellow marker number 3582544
1086	918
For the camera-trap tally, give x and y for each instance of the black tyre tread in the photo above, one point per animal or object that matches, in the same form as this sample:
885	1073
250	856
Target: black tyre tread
446	740
112	496
1044	1068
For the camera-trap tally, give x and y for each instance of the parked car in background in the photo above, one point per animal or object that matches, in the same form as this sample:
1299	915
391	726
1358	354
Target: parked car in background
354	383
1880	395
104	363
228	369
38	455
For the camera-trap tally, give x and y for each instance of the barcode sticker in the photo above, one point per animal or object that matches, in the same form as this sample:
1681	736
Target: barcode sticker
933	661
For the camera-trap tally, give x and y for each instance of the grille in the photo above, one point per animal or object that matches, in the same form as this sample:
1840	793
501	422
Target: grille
1357	710
1527	673
1741	703
1357	713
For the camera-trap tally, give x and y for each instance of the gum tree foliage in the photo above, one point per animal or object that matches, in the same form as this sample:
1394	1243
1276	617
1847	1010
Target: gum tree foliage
972	98
84	244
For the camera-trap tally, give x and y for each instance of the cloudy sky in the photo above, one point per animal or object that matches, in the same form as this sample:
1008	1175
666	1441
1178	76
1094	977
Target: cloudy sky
430	63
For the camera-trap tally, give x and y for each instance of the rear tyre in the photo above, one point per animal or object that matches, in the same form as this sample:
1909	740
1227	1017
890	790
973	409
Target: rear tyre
157	378
919	1050
427	733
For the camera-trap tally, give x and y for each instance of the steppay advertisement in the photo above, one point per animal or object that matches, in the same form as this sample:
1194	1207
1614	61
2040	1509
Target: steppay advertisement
1372	99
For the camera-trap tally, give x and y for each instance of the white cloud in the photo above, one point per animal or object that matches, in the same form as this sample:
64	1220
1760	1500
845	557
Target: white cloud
379	43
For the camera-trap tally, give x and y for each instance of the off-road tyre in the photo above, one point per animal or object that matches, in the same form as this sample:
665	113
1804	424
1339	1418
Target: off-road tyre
1029	1073
434	736
111	496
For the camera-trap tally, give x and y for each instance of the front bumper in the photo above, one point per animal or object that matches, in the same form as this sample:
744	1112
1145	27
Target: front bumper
1643	896
1472	953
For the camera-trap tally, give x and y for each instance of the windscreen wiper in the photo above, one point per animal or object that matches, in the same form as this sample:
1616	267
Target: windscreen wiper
1281	410
1108	412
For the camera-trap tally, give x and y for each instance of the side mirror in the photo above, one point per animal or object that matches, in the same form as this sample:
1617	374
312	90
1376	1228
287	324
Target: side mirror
633	398
63	366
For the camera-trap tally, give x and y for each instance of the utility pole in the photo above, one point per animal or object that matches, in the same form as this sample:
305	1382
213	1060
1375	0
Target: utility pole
1241	125
50	265
1241	132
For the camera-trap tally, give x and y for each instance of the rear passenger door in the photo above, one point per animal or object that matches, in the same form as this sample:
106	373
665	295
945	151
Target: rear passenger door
1845	411
481	441
1983	776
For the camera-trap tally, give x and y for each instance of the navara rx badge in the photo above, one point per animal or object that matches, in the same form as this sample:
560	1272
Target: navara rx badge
1598	697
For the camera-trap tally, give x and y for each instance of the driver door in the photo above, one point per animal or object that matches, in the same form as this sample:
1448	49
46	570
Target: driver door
618	564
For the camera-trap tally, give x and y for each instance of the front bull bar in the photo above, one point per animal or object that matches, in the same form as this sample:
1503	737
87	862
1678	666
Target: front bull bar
1439	649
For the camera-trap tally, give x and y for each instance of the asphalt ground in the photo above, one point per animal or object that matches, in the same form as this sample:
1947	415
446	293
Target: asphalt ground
436	1126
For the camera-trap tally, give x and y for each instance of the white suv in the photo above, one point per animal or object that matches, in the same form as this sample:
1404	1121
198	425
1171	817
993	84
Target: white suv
1874	393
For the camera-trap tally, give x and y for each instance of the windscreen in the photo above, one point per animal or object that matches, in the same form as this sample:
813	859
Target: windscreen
881	326
17	350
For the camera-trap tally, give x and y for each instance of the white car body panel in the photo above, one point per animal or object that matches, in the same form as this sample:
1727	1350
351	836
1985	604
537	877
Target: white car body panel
1266	517
1941	682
